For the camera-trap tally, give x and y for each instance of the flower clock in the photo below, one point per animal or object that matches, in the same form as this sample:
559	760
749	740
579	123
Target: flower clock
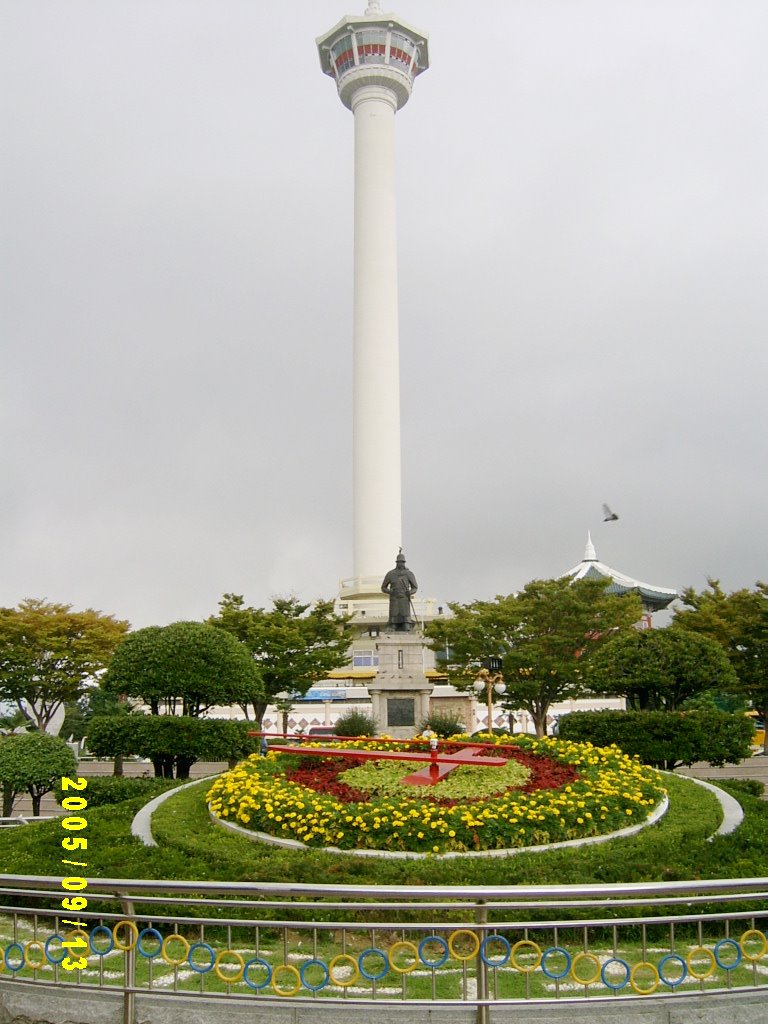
520	791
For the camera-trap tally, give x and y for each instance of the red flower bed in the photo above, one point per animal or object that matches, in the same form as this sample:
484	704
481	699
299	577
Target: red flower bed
322	775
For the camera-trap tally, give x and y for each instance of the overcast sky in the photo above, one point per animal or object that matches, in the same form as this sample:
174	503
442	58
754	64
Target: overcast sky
583	239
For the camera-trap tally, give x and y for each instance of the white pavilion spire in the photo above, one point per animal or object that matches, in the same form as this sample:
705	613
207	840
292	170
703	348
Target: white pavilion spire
590	555
374	7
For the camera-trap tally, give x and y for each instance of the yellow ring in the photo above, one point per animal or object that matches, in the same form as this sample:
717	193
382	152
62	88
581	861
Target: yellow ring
31	963
593	959
294	974
712	962
519	945
134	935
346	982
164	949
408	947
452	938
656	978
753	933
228	979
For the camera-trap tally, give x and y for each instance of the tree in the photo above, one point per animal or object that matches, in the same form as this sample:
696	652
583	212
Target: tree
659	669
48	652
739	623
545	636
187	667
293	644
33	762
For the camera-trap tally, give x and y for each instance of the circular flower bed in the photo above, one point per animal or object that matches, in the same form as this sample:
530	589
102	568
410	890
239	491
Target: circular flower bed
549	791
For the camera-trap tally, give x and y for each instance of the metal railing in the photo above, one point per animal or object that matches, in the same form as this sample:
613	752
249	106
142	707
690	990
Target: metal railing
358	946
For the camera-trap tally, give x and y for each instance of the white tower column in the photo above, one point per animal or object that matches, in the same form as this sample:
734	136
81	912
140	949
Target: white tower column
377	513
374	59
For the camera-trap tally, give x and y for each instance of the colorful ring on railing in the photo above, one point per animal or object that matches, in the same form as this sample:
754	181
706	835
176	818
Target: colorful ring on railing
130	925
201	968
98	930
147	954
164	949
262	963
752	933
607	966
523	943
344	982
441	942
372	951
734	945
36	965
656	980
314	963
228	979
555	950
668	981
577	960
14	969
63	951
406	947
712	963
454	936
484	951
294	974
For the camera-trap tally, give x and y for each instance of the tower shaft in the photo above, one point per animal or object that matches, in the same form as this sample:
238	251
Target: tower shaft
377	510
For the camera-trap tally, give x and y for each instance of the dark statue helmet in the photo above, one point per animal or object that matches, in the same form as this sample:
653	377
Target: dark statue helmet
400	558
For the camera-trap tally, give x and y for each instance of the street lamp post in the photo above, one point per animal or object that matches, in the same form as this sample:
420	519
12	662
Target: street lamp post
490	679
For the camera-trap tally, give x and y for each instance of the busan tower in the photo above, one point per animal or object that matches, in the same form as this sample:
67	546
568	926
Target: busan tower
374	59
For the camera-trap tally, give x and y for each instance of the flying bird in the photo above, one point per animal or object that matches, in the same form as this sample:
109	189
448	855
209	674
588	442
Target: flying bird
608	516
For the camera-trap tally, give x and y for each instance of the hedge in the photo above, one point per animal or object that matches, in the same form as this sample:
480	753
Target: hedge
173	743
665	739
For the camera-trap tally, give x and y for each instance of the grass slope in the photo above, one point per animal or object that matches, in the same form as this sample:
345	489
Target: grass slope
191	847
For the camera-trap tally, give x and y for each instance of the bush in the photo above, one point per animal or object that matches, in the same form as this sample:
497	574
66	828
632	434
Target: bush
443	723
356	723
665	739
173	743
114	789
34	762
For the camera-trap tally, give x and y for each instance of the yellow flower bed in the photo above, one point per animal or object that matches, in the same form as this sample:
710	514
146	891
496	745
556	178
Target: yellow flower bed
611	791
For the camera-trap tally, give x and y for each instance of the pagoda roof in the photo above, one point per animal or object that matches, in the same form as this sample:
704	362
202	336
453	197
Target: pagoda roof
590	567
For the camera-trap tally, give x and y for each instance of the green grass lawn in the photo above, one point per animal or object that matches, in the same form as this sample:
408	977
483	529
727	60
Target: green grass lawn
191	847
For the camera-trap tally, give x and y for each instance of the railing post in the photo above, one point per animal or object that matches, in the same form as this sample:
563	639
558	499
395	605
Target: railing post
129	980
481	971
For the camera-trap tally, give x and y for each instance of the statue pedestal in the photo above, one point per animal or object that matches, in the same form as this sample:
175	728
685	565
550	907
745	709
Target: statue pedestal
400	692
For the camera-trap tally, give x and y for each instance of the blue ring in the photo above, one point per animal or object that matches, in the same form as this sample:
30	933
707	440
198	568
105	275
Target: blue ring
683	964
248	982
17	945
373	951
568	962
108	932
719	946
611	984
495	963
201	968
314	963
441	942
63	951
155	934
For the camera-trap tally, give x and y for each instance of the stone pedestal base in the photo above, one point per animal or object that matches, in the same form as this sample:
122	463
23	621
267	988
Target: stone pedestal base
400	692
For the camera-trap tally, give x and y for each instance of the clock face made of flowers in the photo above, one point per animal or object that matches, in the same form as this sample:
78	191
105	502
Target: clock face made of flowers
361	794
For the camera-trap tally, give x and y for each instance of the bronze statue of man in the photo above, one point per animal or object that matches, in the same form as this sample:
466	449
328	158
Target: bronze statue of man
400	584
